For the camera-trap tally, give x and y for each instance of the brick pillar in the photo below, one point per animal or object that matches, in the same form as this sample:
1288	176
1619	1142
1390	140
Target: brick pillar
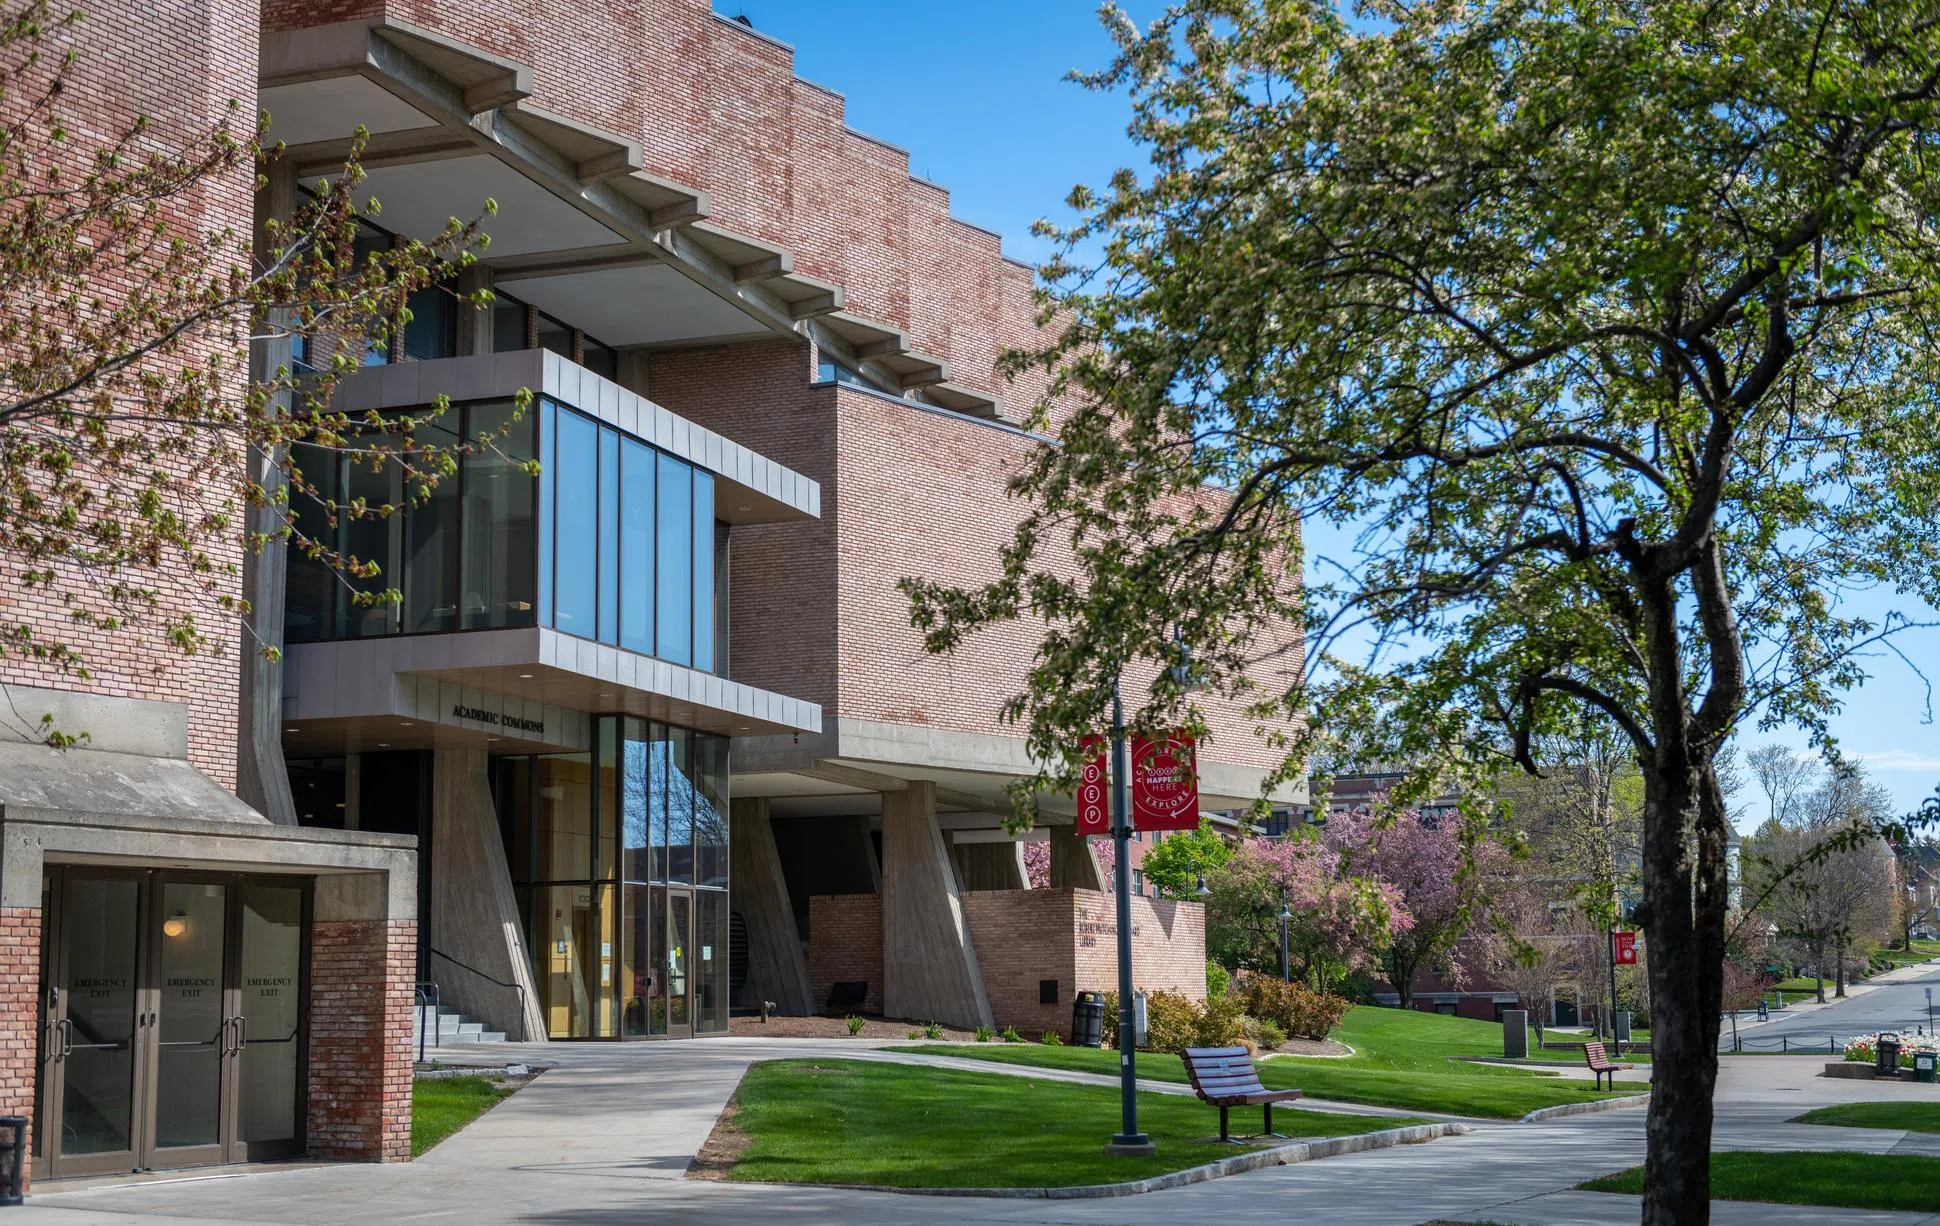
19	988
361	976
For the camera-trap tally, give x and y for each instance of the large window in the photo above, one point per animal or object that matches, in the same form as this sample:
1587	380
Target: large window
460	558
619	860
614	541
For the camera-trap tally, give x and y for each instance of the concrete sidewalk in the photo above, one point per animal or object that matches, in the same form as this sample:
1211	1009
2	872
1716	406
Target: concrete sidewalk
604	1137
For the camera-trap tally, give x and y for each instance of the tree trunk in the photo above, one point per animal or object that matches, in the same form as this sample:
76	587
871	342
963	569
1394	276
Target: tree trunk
1818	968
1839	969
1684	922
1401	973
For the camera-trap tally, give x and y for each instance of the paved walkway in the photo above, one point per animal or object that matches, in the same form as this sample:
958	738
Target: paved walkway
604	1137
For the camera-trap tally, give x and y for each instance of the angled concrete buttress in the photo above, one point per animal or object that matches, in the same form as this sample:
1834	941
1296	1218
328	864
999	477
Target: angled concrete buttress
777	968
990	866
477	941
929	966
1073	865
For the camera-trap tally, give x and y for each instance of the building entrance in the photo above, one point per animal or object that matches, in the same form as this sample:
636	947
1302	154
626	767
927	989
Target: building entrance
171	1020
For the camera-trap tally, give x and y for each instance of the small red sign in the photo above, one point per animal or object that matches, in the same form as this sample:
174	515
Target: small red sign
1094	790
1165	783
1625	948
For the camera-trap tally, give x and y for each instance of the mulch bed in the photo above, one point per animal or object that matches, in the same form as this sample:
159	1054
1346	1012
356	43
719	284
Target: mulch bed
835	1028
724	1146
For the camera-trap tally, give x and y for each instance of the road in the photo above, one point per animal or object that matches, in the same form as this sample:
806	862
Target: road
1895	1002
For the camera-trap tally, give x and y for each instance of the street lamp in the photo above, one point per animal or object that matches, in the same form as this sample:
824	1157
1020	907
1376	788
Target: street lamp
1286	971
1202	891
1129	1141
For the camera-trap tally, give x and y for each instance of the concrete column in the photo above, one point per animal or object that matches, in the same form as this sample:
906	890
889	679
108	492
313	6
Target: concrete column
990	866
477	939
262	780
1073	866
631	373
929	964
777	967
474	326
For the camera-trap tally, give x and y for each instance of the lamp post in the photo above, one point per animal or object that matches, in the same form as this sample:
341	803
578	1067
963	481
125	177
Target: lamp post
1286	965
1129	1141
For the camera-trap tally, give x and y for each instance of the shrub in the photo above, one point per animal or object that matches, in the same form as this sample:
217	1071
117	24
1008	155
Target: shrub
1052	1039
1172	1021
1009	1035
933	1031
1265	1033
985	1034
1291	1006
1217	981
855	1025
914	1034
1222	1023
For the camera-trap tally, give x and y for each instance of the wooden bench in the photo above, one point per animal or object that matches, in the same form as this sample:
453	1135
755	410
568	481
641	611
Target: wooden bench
1600	1064
1224	1077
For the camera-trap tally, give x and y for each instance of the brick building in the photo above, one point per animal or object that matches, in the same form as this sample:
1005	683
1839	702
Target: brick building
764	365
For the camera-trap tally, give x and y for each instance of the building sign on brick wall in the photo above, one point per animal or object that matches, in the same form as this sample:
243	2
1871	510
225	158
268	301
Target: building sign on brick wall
1165	785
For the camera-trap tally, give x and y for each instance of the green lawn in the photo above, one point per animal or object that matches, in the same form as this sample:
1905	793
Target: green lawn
441	1107
1922	951
852	1121
1402	1058
1844	1181
1909	1116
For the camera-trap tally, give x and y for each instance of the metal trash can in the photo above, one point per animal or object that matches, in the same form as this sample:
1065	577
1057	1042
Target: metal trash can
13	1137
1088	1020
1923	1065
1886	1056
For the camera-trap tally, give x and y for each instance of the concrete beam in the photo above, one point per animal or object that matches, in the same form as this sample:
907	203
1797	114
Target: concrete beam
476	936
777	967
1073	864
767	268
929	963
990	866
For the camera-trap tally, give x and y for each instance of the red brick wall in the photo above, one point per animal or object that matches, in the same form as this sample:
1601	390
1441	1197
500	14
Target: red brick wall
19	1013
180	65
361	974
845	945
1022	937
1168	945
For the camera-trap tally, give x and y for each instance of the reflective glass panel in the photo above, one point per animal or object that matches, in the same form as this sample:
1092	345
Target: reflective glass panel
560	927
310	590
634	811
636	547
498	578
674	632
188	1081
97	1094
609	537
564	834
433	328
430	572
272	953
683	799
575	526
637	966
710	811
710	961
703	578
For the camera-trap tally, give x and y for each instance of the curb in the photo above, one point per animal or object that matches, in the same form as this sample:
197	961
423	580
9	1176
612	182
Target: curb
1602	1104
1279	1155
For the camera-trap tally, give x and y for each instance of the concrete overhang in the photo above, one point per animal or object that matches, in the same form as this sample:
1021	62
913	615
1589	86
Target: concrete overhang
530	688
752	488
969	401
451	127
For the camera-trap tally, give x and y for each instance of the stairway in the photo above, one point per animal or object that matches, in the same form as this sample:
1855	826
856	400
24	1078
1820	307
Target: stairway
449	1028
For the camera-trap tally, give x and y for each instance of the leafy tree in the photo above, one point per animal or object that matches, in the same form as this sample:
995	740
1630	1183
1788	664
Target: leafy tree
1338	924
140	464
1177	863
1607	328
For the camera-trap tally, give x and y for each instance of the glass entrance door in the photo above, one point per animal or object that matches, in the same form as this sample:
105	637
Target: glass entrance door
171	1021
89	1023
680	955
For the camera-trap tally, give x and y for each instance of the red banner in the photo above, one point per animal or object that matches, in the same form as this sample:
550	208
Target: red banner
1094	790
1165	783
1624	948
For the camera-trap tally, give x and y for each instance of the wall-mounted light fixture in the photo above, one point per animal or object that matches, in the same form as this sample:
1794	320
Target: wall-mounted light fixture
175	925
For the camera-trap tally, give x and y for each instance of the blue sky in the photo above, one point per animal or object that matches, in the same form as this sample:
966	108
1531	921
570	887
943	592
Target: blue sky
976	93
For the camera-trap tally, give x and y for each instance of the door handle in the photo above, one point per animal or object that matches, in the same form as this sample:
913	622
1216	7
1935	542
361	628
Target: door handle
242	1033
66	1028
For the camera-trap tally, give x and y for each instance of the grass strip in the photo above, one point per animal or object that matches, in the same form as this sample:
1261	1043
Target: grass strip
1809	1177
1402	1058
1904	1116
908	1126
441	1106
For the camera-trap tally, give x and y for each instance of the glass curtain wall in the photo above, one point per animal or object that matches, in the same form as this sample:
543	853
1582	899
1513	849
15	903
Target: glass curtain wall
620	862
613	541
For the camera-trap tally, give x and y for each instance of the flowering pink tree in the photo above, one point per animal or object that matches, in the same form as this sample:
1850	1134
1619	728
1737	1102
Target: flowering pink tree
1037	862
1339	922
1438	880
